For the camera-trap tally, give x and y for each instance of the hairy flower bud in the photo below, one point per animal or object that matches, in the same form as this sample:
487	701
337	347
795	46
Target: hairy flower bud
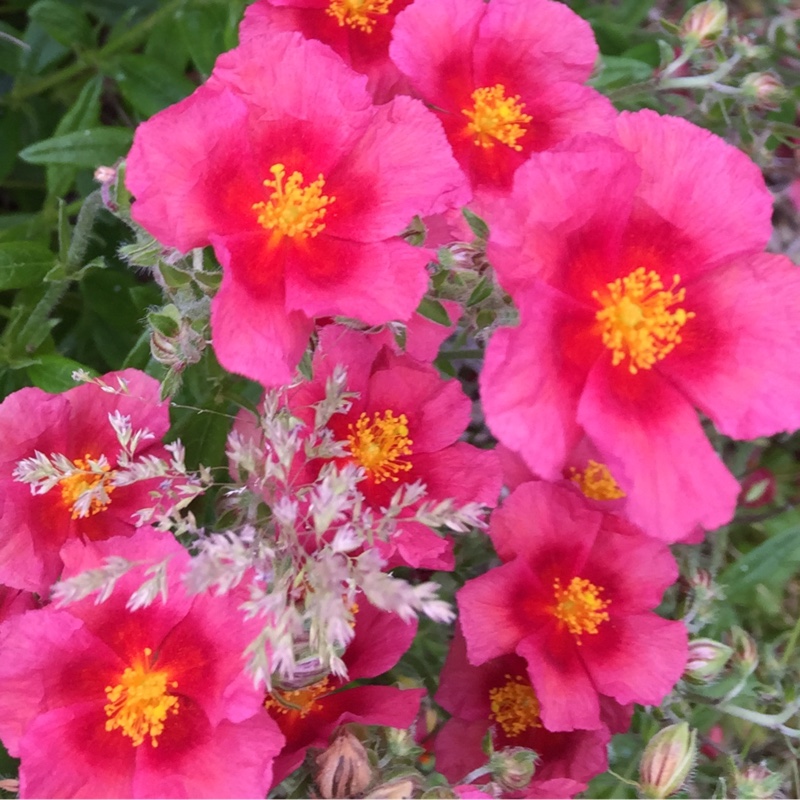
745	648
702	24
765	89
667	760
707	658
756	782
343	770
513	767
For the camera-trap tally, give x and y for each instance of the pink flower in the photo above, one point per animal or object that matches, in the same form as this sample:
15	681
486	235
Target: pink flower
308	715
15	601
584	472
403	427
149	703
574	599
358	32
506	78
302	186
647	295
86	502
499	695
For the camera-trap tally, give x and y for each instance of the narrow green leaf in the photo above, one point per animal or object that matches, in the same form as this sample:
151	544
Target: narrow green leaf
83	113
67	24
433	310
480	292
87	148
24	264
150	85
772	563
476	224
53	372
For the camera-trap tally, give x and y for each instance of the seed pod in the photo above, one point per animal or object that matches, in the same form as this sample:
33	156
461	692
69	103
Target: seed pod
343	770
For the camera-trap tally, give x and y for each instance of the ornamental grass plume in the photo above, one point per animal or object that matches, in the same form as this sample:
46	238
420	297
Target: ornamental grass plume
574	598
100	701
505	77
402	428
647	295
80	464
498	696
282	163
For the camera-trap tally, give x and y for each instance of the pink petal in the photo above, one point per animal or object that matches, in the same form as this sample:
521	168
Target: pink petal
738	363
708	189
639	658
641	423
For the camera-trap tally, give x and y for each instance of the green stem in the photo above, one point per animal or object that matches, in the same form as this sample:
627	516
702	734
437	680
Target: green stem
790	645
773	721
125	40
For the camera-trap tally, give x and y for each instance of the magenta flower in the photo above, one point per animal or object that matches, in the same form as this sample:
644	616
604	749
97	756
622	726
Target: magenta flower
506	78
498	695
98	701
86	502
302	186
643	296
358	32
308	714
403	427
574	599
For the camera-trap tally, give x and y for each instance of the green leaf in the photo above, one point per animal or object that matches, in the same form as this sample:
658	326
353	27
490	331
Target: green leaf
476	224
433	310
53	372
87	148
480	292
150	85
619	71
83	113
24	264
64	23
772	563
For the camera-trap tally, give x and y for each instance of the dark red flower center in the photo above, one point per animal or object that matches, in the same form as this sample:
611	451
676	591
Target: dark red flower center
380	444
514	706
358	14
637	319
579	606
292	209
496	118
596	481
140	703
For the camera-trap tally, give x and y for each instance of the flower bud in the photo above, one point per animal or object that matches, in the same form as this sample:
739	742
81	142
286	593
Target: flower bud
745	648
758	488
702	24
765	89
343	770
707	658
756	782
513	767
667	760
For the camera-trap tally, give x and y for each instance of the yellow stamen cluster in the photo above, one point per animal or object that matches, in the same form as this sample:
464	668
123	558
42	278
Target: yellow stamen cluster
579	606
514	706
379	445
73	486
636	319
596	482
496	118
301	701
293	210
358	14
139	704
